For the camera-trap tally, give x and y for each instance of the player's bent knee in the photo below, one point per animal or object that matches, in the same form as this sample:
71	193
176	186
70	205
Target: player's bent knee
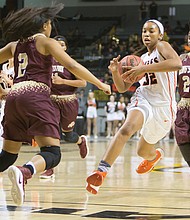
128	129
6	160
51	155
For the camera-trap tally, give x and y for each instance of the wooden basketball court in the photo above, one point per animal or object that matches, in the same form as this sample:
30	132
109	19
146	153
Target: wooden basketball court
162	194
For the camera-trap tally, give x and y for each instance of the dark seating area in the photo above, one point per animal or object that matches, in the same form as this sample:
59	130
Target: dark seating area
94	40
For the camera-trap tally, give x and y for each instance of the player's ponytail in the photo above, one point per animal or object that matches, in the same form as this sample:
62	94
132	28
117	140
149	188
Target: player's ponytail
27	22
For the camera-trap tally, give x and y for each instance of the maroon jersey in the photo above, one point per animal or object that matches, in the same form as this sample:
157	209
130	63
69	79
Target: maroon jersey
29	64
182	122
65	74
184	78
29	111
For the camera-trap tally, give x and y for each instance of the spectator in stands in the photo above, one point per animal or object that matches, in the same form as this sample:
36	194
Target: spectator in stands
142	11
153	10
91	115
123	48
82	101
127	101
111	108
121	112
179	29
107	79
80	122
167	27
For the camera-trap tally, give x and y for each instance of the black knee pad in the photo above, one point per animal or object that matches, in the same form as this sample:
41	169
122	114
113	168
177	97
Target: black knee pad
185	151
71	136
51	155
6	160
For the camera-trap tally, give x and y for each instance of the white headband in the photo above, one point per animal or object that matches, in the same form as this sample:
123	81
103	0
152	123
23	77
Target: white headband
159	24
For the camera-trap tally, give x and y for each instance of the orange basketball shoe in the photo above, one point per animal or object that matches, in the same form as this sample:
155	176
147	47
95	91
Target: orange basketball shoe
34	143
94	181
147	165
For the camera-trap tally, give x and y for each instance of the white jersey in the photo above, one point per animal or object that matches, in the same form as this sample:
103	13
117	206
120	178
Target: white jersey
155	98
157	88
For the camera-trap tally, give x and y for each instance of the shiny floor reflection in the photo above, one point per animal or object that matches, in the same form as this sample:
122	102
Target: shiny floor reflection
162	194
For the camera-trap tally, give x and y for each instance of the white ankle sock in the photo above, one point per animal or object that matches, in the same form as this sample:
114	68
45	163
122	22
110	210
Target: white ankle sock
31	164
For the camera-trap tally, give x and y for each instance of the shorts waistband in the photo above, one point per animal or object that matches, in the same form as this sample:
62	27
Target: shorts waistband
64	98
28	86
183	103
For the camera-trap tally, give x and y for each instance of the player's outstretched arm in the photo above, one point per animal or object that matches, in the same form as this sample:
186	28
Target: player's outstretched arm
54	48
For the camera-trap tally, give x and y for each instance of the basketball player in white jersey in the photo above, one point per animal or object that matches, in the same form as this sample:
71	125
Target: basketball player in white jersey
7	75
153	106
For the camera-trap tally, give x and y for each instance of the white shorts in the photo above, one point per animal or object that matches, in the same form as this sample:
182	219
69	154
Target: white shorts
111	116
120	115
157	120
91	112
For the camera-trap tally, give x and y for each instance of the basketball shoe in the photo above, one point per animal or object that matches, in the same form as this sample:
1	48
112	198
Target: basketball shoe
147	165
48	174
83	147
94	181
18	176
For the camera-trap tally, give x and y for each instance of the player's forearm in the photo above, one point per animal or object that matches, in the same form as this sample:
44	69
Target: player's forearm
164	66
83	73
119	83
75	83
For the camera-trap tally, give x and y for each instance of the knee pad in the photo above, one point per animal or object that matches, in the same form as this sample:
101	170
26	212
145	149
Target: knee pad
185	151
51	155
6	160
71	136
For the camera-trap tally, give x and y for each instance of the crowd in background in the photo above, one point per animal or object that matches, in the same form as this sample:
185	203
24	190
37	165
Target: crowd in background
96	57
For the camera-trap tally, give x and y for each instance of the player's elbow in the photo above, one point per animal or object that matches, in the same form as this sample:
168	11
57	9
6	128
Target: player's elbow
121	90
178	65
83	83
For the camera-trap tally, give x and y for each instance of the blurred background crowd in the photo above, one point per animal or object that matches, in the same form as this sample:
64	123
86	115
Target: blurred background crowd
96	32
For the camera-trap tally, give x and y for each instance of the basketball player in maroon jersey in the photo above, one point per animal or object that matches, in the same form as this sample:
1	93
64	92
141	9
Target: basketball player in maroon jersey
63	91
29	111
182	122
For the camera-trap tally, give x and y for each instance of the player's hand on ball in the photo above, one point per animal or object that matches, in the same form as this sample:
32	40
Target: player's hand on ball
133	74
130	68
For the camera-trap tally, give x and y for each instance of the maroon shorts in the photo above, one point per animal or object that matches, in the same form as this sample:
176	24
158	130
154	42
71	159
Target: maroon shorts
28	114
182	126
68	108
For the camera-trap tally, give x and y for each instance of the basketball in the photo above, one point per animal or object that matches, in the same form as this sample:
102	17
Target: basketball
130	60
